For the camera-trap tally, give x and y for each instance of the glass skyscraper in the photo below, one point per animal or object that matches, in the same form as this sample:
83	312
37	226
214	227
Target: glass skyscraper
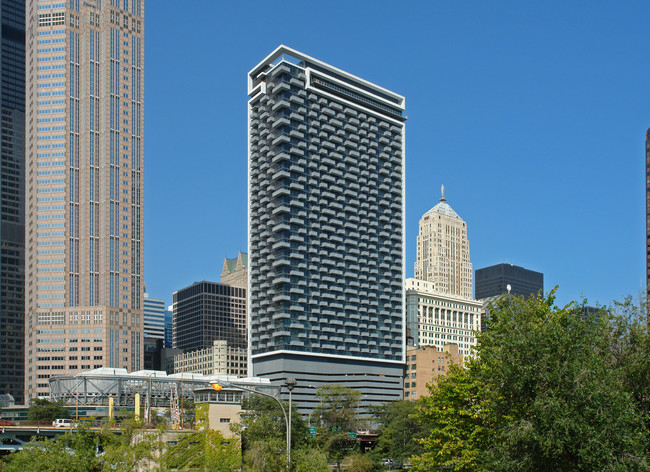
326	229
85	187
12	198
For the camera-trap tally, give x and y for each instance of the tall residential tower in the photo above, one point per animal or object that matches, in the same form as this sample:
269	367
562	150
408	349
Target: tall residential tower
12	198
85	187
326	237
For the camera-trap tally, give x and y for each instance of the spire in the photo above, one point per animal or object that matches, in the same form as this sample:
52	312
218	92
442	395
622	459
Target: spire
442	190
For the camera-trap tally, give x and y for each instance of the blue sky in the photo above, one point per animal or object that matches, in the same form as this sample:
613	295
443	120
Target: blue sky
532	114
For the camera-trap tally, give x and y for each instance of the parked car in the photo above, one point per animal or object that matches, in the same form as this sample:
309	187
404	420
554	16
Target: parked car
62	423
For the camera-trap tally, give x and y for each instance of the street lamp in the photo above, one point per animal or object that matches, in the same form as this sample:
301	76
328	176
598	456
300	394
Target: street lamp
290	383
218	385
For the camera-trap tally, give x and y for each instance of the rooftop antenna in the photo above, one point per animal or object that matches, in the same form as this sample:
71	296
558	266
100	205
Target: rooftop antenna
442	190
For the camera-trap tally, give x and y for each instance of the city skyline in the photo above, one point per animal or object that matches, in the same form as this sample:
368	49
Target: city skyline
533	116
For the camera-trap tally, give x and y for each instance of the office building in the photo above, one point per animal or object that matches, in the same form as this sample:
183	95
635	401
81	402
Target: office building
326	236
169	327
85	187
426	365
206	312
495	280
235	271
154	317
154	333
218	359
12	198
435	319
443	251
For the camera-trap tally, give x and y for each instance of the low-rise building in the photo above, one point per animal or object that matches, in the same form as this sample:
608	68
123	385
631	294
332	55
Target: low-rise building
424	365
437	319
219	359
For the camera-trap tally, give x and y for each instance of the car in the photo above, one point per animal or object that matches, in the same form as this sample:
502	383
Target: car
62	423
6	423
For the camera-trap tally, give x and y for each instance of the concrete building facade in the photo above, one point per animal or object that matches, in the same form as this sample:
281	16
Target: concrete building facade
85	187
12	198
425	365
218	359
435	319
443	251
326	237
235	271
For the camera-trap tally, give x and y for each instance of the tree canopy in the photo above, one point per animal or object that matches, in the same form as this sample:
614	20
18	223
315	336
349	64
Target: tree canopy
41	409
559	389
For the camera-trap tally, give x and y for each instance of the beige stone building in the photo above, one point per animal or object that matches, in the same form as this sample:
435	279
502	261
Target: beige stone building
424	365
443	251
436	319
218	359
235	271
84	188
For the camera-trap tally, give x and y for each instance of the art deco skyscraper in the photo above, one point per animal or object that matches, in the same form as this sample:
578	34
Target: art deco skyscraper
443	251
326	239
12	198
84	215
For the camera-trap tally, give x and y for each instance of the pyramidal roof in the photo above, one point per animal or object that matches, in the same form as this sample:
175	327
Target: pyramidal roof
443	207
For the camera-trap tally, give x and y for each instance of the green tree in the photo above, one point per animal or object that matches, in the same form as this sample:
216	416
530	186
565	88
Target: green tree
41	409
357	462
79	451
267	455
262	419
457	417
337	415
263	432
308	459
400	429
204	450
134	449
552	389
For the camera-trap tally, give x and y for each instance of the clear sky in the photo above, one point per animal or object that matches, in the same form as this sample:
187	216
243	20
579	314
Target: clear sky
532	114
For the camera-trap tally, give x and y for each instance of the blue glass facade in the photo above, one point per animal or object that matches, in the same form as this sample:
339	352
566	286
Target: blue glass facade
12	198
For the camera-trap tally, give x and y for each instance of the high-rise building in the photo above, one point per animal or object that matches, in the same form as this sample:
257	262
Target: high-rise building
154	317
206	312
326	237
507	278
235	271
85	187
154	332
169	327
443	251
12	198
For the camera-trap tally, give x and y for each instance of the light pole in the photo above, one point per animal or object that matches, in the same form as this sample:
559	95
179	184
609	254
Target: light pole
290	383
221	384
